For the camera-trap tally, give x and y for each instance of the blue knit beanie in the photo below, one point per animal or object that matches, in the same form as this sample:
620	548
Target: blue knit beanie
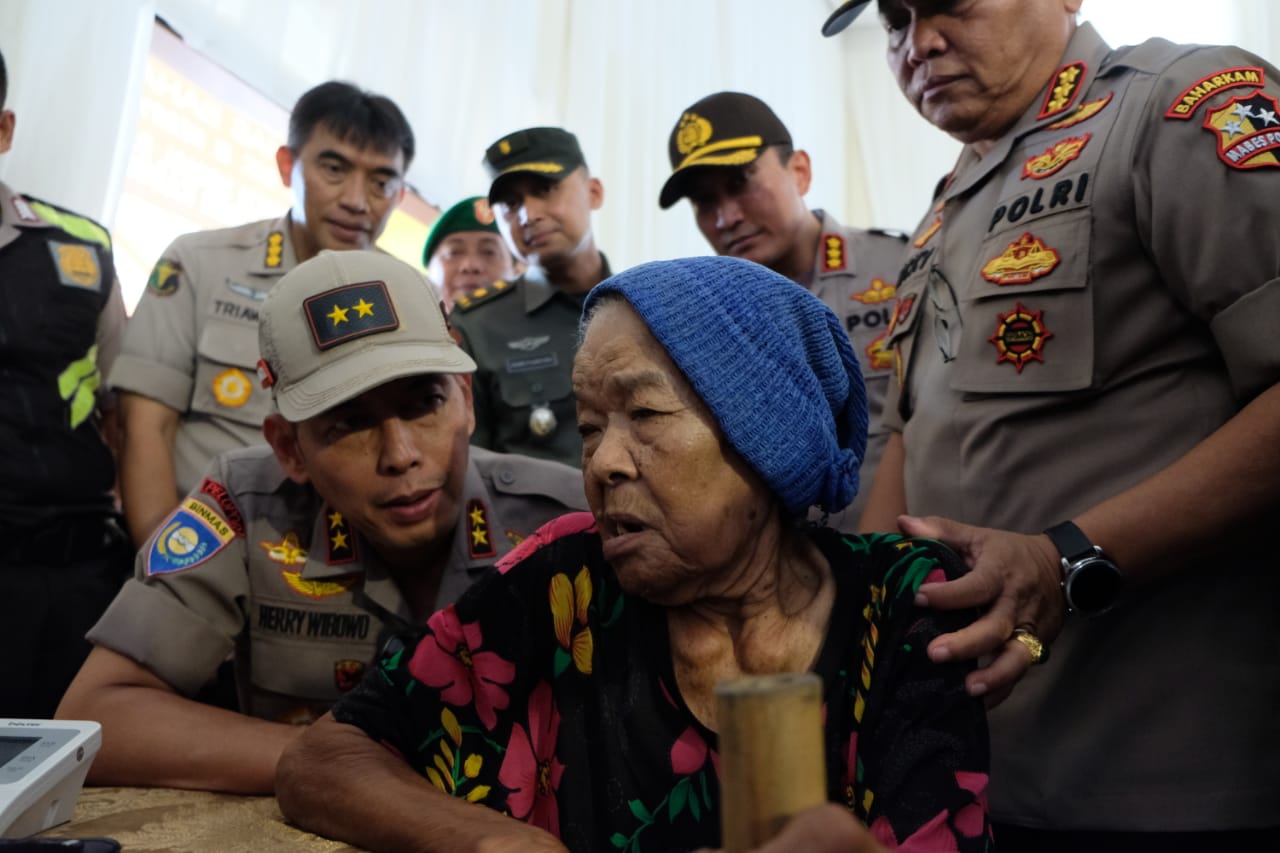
772	363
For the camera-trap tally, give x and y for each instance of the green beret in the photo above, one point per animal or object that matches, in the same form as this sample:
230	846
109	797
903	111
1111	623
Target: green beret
470	214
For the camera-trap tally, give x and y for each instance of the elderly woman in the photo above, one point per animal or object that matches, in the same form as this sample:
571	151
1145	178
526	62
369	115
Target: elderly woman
571	691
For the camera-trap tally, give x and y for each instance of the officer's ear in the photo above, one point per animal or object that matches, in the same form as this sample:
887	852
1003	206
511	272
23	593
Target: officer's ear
801	170
7	120
284	162
468	401
283	438
595	193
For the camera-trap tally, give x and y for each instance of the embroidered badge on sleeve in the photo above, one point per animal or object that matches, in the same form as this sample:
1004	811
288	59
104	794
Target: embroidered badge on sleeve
1248	131
187	538
1186	104
1020	337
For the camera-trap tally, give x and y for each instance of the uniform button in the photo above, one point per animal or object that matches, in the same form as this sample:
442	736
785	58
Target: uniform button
506	476
536	388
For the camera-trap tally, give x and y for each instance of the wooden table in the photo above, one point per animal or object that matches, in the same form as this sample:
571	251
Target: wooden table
167	820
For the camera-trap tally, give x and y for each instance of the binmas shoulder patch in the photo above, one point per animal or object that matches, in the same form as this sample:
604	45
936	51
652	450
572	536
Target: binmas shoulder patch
192	534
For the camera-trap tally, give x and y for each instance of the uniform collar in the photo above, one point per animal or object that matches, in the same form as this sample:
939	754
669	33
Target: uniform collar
538	290
1067	88
274	253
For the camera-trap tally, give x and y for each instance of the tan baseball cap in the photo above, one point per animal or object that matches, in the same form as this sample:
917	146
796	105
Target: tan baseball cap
342	323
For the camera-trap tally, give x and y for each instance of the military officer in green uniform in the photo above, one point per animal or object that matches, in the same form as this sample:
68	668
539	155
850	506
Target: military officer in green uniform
365	514
465	251
63	553
185	376
734	159
523	333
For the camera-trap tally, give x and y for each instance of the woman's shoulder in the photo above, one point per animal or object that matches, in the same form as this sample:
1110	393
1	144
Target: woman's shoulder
558	538
897	564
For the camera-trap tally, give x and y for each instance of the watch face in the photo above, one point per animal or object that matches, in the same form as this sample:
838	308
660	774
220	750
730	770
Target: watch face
1093	586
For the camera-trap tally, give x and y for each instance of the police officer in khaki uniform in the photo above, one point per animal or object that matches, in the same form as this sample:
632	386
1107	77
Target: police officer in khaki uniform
186	372
63	553
733	158
364	516
465	251
1086	342
523	334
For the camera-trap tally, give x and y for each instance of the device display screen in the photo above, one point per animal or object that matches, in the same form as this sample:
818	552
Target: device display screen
12	747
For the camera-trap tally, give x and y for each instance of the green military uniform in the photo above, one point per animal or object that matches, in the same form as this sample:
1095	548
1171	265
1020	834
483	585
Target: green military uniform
192	342
256	566
523	336
854	274
1086	302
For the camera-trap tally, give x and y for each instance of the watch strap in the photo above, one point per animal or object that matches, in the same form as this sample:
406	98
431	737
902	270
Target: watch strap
1070	541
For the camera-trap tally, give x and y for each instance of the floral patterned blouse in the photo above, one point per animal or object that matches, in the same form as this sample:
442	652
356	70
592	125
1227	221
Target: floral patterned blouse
549	694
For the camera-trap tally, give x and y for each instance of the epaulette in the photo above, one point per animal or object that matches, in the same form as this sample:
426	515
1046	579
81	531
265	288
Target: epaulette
888	232
73	223
483	295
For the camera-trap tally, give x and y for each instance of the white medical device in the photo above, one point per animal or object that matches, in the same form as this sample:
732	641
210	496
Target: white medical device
42	768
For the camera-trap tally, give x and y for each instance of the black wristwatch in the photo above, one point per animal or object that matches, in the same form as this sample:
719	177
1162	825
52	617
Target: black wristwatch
1090	581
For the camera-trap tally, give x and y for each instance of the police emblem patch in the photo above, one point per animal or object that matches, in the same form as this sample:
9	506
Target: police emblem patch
1020	337
1084	112
1066	86
164	277
832	253
286	552
879	291
900	312
1025	260
231	387
480	540
341	547
77	265
1053	160
347	674
693	133
1248	131
350	312
1185	105
188	537
275	250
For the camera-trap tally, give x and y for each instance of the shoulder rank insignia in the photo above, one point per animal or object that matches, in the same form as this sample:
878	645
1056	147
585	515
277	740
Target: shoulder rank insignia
833	259
1063	91
1084	112
77	265
187	538
879	291
1020	337
1055	159
927	234
274	256
1025	260
1185	105
24	211
341	547
481	295
1247	130
349	312
480	538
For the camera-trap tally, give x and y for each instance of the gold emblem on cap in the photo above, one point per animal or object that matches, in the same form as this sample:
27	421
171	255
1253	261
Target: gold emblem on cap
505	146
692	133
483	213
542	421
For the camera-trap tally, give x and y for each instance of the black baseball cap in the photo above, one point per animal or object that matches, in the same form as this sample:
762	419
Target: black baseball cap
724	129
843	16
552	152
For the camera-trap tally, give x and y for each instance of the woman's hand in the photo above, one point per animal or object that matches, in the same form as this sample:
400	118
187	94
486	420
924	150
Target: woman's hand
1016	576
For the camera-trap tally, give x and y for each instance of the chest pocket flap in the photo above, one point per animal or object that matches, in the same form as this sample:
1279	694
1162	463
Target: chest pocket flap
226	383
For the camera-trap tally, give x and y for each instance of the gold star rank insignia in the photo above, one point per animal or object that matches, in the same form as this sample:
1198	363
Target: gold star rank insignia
337	315
480	545
341	547
330	314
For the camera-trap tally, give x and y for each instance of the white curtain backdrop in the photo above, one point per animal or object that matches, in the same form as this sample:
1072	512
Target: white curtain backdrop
616	72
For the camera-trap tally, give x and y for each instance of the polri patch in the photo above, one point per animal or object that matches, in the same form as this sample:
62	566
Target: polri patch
1247	130
1084	112
1067	84
350	312
164	277
833	254
1185	105
341	547
480	538
77	265
1020	337
1025	260
1055	159
187	538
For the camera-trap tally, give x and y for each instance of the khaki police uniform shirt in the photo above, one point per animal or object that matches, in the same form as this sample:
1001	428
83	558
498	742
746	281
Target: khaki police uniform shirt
255	566
523	336
1081	307
854	274
192	342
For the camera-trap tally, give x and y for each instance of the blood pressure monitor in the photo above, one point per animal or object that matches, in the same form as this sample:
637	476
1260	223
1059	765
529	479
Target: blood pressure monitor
42	768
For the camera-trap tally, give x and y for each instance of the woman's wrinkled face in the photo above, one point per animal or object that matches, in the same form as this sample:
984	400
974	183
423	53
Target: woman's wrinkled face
677	507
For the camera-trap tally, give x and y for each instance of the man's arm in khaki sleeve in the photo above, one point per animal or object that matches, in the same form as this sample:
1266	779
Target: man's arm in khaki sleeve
110	334
148	484
336	781
154	736
888	496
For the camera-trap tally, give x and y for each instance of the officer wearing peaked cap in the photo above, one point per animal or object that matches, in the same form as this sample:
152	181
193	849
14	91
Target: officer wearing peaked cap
523	334
733	158
465	251
1075	356
366	512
